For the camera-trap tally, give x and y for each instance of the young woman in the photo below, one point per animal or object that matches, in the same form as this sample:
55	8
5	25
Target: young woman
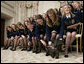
52	26
15	35
78	11
44	16
32	20
22	38
29	33
40	30
10	37
69	23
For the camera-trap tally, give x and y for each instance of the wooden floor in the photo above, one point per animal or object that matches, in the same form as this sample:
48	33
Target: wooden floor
18	56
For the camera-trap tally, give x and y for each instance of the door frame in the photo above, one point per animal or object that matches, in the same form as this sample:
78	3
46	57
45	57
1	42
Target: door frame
2	31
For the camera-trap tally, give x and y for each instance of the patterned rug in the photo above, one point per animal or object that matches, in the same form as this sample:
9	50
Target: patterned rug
18	56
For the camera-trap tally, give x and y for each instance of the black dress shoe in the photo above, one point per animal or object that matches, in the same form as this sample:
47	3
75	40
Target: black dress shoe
4	48
38	51
14	49
57	57
47	54
29	49
24	49
66	56
34	51
11	48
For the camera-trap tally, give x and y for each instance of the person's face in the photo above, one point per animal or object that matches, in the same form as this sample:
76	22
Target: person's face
9	29
20	27
34	17
76	5
13	26
44	15
51	16
28	19
66	9
55	11
30	26
26	23
31	18
61	10
40	21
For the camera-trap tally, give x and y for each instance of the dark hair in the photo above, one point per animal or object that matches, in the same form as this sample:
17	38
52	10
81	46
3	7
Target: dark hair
31	22
16	28
25	21
39	16
19	24
56	10
8	27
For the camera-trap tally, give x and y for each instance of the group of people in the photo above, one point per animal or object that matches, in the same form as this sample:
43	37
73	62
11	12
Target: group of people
41	30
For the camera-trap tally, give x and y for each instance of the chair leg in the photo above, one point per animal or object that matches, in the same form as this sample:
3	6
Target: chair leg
71	48
80	44
77	45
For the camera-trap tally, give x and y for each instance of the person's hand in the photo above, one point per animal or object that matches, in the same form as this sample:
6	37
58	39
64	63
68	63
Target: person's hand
53	31
69	27
60	39
28	36
49	43
12	38
79	23
43	42
23	36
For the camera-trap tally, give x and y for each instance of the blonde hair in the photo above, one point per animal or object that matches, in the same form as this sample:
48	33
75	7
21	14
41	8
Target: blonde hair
69	10
64	10
16	28
8	27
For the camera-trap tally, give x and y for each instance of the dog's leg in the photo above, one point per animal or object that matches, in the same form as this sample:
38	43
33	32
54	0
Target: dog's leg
57	54
47	52
53	54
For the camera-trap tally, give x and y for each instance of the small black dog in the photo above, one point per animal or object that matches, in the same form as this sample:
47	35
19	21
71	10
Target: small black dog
53	50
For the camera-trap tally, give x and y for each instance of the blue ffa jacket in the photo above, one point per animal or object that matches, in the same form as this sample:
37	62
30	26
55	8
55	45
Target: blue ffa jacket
21	32
31	34
78	14
15	32
67	22
9	34
50	29
34	22
40	29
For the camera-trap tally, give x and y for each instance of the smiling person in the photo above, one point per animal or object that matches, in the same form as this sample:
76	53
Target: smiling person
22	38
15	35
78	11
9	39
30	34
69	23
40	30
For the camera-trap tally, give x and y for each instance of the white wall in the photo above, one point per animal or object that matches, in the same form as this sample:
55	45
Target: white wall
45	5
8	13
